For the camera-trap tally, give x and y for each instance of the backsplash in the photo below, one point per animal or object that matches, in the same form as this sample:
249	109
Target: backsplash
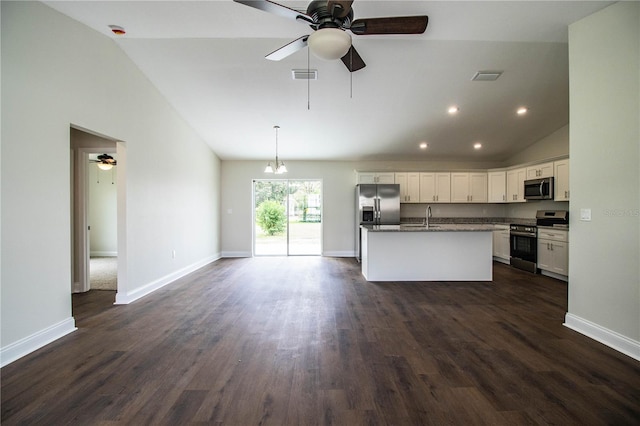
478	211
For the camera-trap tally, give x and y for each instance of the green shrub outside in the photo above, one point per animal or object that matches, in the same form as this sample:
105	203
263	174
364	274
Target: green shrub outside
271	217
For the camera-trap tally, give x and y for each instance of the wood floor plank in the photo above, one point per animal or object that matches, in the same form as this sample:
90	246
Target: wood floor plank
307	341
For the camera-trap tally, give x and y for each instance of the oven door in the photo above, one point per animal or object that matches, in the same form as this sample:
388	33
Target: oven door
524	246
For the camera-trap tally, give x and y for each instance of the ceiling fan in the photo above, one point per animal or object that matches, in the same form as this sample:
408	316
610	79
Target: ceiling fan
105	162
330	21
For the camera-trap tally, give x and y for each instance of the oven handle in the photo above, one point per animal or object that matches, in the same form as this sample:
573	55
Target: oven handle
523	234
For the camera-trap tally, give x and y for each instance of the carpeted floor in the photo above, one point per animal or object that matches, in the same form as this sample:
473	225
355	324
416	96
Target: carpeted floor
103	273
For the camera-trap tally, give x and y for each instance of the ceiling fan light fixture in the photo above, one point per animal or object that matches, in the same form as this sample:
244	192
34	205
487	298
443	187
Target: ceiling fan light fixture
105	166
329	43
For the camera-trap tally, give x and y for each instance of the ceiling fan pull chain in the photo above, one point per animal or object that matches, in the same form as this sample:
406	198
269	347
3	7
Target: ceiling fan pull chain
112	170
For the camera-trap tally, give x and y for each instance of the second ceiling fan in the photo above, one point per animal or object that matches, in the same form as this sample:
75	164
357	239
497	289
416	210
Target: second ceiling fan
330	21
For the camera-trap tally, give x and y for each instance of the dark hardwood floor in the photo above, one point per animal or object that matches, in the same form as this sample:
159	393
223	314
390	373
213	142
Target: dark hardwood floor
305	341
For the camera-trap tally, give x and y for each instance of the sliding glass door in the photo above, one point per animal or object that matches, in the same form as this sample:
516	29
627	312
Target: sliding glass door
287	217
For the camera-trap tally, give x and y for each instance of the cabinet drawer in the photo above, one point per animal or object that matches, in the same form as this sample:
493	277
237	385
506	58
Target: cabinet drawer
553	235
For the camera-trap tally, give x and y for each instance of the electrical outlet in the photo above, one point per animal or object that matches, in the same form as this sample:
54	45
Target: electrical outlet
585	215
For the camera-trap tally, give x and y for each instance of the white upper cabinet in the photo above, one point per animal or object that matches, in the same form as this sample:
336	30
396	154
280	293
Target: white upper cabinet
376	177
515	185
409	187
497	187
435	187
540	171
561	180
469	187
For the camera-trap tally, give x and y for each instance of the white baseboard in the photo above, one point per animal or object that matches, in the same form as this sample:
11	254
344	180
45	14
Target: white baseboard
124	298
554	275
339	254
603	335
25	346
502	260
236	254
104	254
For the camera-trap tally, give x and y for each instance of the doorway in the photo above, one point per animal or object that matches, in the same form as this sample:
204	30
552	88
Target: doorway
97	213
287	217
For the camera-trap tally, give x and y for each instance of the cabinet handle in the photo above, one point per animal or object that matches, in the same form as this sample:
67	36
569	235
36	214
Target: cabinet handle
504	197
433	198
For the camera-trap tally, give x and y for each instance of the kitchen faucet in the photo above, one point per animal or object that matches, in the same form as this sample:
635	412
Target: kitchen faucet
427	216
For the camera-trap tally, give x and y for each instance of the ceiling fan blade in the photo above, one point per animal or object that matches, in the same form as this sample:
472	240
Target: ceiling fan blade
339	9
394	25
288	49
352	60
276	9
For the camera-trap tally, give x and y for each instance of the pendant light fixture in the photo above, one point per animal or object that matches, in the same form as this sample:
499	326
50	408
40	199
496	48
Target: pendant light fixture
279	165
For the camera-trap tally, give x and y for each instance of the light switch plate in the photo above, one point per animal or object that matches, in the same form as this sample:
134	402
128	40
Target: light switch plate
585	215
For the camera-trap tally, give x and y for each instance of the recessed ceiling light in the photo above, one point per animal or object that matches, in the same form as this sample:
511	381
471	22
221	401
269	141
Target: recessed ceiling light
453	109
423	145
477	145
522	110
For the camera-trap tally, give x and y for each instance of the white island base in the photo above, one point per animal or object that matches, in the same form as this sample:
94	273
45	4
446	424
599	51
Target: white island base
450	254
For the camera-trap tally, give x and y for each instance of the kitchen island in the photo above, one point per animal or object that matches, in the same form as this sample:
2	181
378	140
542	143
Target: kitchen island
412	252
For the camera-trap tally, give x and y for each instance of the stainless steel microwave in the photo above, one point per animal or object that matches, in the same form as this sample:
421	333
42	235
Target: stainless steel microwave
538	189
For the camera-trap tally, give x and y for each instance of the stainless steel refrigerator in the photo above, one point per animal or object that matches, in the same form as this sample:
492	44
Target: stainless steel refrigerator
376	205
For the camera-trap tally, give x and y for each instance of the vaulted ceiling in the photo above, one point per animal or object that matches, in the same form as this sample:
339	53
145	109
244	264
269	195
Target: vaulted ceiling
207	59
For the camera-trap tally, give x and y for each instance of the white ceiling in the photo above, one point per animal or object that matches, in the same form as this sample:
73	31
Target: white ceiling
207	58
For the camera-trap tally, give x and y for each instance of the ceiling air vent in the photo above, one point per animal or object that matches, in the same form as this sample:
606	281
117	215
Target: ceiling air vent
304	74
486	76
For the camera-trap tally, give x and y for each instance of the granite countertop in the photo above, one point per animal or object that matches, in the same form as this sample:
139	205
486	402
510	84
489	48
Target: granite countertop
444	227
471	220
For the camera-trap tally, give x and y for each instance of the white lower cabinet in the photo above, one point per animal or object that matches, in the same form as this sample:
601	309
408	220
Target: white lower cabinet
501	245
553	251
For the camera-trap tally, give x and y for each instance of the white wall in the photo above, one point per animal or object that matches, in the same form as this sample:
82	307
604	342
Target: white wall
103	212
604	287
553	146
339	180
57	73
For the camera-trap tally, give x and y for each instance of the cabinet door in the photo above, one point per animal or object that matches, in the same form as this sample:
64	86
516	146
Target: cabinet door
540	171
560	253
478	187
497	187
401	179
409	187
386	177
413	187
427	187
515	185
545	256
459	187
443	187
505	247
561	179
366	178
546	170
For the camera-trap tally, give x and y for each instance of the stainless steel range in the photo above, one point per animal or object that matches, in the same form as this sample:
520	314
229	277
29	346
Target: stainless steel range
524	247
524	238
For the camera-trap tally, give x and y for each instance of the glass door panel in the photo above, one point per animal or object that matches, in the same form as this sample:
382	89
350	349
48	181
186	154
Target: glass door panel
305	217
270	217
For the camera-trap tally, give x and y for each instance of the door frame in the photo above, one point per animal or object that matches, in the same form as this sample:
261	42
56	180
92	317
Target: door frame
253	214
80	237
